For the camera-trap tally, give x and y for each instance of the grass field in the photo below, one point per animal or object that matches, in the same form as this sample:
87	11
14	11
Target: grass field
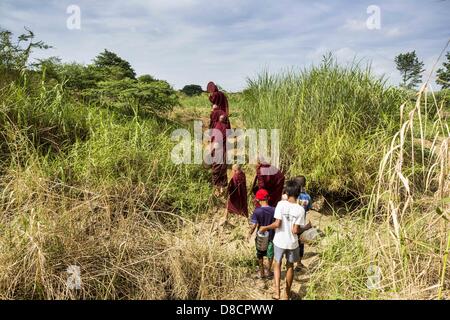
92	187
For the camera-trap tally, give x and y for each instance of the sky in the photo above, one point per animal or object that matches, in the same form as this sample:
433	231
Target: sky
229	41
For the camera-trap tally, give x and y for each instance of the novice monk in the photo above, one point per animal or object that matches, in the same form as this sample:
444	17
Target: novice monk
270	178
215	115
263	216
217	97
219	165
237	193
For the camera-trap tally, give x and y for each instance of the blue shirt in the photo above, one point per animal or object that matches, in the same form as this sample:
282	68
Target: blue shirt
264	216
306	197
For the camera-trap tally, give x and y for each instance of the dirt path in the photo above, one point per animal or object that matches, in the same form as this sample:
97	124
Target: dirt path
253	288
234	235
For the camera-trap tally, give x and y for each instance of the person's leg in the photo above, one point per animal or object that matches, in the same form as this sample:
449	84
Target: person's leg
300	265
270	254
260	256
261	266
278	255
289	278
291	256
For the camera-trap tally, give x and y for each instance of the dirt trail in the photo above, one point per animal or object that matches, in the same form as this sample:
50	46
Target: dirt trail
253	288
234	235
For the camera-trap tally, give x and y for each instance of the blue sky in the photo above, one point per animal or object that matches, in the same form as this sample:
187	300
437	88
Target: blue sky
195	41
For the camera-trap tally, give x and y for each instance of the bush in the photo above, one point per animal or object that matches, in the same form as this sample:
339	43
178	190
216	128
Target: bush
131	96
192	90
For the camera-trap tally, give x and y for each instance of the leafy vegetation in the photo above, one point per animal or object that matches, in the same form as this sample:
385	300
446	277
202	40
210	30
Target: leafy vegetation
411	69
192	90
86	179
443	73
335	122
96	187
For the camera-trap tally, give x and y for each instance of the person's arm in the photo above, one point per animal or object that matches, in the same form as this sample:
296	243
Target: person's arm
273	226
300	223
253	227
298	229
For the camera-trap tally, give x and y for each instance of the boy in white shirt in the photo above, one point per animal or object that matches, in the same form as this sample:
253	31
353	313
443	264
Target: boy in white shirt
289	222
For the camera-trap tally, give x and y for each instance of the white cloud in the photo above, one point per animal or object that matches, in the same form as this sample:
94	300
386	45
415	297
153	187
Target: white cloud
355	25
194	41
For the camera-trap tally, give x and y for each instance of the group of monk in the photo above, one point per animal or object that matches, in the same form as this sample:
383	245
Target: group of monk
236	188
280	206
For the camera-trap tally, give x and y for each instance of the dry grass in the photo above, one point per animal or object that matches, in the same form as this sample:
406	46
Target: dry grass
144	255
405	229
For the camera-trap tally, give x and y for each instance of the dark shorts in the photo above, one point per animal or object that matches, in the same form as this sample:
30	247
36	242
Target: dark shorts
268	253
301	247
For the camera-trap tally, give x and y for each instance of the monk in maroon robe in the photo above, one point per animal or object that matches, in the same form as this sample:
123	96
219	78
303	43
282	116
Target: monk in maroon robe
215	116
273	182
219	165
217	97
237	193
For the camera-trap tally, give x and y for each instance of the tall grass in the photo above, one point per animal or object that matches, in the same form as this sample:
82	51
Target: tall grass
86	186
404	231
91	187
334	122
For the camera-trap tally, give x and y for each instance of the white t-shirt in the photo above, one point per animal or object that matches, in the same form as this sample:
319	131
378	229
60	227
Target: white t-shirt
289	214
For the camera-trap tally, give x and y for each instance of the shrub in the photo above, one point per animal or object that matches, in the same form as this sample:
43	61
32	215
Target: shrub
192	90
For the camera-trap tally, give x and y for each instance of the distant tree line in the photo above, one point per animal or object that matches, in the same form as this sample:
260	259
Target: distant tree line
192	90
108	80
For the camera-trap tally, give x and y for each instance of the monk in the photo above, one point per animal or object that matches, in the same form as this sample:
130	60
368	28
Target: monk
273	182
215	115
217	97
237	193
219	165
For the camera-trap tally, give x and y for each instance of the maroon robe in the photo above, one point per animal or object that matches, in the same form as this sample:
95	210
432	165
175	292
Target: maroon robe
219	170
214	117
237	194
217	97
274	184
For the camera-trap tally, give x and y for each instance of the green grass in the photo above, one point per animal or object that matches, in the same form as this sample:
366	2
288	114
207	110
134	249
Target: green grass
95	187
334	123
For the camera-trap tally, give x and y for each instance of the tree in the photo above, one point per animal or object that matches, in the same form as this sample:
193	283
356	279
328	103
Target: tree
192	90
15	55
444	73
146	78
127	94
79	77
410	68
113	67
50	66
